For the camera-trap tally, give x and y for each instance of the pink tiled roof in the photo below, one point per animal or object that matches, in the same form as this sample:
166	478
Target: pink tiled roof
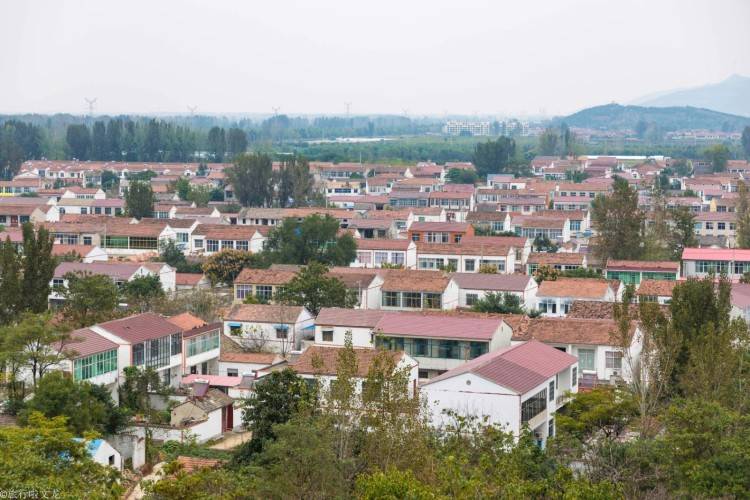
140	327
440	226
213	380
520	368
438	326
358	318
716	254
85	342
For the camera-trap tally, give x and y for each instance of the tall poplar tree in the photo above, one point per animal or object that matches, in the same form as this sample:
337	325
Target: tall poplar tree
38	268
619	223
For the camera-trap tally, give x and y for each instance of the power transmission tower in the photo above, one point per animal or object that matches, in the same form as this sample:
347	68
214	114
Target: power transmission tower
348	106
91	103
276	110
192	110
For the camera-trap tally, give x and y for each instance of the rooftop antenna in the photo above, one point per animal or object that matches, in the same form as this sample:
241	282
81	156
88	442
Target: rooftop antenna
192	110
276	110
348	105
91	103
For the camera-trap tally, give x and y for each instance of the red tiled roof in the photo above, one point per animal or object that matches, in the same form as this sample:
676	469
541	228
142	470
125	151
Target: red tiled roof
520	368
407	280
570	331
659	288
261	358
115	270
590	288
357	318
492	282
323	360
186	321
456	227
642	265
264	313
140	327
725	254
382	244
85	342
438	326
186	279
565	258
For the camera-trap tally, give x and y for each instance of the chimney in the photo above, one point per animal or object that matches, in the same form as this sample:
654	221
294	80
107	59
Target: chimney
200	387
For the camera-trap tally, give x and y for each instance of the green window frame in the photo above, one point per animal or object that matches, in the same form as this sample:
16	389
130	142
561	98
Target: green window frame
203	343
95	364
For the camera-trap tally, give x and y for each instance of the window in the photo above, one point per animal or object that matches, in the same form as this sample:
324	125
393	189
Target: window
282	332
227	244
477	349
212	245
412	299
381	258
364	257
432	301
264	292
574	377
415	237
95	364
57	282
198	243
111	460
391	299
551	428
613	359
143	243
552	391
203	343
138	356
469	265
397	258
721	226
87	240
327	335
430	263
176	343
437	237
534	406
116	242
586	359
242	291
709	225
711	266
232	372
548	306
471	299
182	237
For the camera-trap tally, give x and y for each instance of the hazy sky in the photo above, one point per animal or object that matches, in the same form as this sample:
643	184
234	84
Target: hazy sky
427	57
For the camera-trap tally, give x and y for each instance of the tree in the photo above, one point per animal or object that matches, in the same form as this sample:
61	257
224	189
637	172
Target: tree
548	142
462	176
99	141
182	188
110	180
544	244
170	254
205	304
315	238
718	155
200	195
139	199
217	143
746	141
78	139
251	178
236	141
142	292
38	343
134	392
10	282
38	267
295	183
19	141
87	407
313	289
114	140
276	399
88	299
619	223
495	156
500	302
45	458
743	216
683	231
224	266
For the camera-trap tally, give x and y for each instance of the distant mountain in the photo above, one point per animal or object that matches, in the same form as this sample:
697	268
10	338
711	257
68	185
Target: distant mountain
618	117
730	96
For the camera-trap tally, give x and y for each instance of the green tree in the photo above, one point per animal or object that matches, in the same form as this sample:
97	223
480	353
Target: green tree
295	183
746	141
276	399
142	292
743	216
99	141
87	407
224	266
217	143
718	155
683	231
139	200
38	267
619	223
182	188
44	457
236	141
134	392
500	302
548	142
251	178
78	139
114	140
36	341
110	180
200	195
315	238
10	282
392	484
313	289
88	299
462	176
493	157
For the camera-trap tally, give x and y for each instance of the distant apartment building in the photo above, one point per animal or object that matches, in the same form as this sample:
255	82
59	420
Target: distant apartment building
463	127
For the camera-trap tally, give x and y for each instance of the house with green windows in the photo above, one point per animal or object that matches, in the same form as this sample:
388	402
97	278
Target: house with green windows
632	272
93	358
440	342
202	346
